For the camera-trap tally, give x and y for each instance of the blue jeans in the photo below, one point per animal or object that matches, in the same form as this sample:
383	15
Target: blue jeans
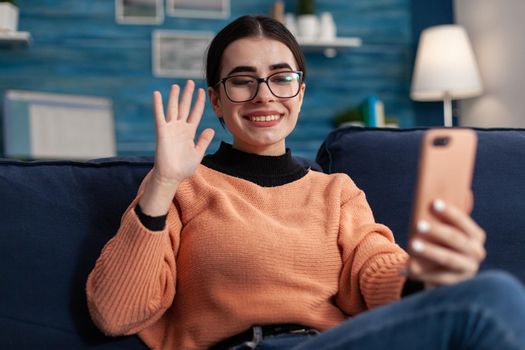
483	313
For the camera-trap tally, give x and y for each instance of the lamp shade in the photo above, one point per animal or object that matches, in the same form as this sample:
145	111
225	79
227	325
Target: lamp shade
445	65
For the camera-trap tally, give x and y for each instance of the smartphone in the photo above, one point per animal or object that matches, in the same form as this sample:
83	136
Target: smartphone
445	170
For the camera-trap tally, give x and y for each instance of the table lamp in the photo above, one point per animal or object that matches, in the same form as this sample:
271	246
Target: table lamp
445	68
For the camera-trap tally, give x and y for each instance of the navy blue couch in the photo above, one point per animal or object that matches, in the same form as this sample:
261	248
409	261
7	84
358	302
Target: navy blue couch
58	215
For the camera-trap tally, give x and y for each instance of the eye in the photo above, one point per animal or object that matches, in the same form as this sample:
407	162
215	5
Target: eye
284	79
241	81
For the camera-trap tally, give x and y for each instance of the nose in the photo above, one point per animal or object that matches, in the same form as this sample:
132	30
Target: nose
264	94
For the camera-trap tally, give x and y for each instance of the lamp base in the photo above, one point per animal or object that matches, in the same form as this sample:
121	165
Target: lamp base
447	111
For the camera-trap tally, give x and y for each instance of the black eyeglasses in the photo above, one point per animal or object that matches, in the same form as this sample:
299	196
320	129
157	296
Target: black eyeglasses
243	88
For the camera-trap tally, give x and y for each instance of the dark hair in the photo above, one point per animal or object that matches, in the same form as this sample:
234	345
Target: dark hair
249	26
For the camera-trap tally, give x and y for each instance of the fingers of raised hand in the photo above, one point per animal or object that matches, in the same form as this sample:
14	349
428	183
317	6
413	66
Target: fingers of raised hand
158	109
180	109
198	108
185	100
204	140
173	103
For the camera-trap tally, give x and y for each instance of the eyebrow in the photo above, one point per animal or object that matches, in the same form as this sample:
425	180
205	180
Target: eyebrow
253	69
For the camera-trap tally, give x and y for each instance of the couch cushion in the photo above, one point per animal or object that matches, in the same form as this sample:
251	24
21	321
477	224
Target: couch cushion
57	216
383	162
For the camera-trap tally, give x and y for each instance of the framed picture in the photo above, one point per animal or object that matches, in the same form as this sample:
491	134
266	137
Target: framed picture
41	125
179	54
198	8
139	11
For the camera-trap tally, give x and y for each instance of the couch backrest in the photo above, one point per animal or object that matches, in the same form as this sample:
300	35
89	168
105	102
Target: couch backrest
56	217
383	162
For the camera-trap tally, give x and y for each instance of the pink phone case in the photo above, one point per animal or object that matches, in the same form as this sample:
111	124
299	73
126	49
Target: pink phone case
446	166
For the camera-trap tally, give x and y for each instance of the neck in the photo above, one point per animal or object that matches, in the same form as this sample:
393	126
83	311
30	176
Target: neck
276	149
264	170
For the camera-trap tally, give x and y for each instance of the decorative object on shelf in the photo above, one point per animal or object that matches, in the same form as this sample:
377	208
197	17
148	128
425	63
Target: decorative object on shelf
277	11
179	54
316	33
307	21
139	11
327	29
198	8
329	48
8	16
291	23
9	36
445	68
369	113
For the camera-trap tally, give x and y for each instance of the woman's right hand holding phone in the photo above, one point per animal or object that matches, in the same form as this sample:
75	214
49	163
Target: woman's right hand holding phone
177	155
447	251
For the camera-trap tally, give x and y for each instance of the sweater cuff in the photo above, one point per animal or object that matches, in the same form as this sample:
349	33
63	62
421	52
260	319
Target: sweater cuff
152	223
382	281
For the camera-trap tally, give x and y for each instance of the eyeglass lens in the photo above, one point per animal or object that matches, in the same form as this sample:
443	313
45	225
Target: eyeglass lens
242	88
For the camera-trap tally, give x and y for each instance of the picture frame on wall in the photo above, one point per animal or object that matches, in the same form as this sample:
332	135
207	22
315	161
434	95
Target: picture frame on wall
139	11
198	8
179	54
42	125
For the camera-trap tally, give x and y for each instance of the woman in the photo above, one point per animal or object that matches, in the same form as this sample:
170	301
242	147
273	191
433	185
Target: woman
246	248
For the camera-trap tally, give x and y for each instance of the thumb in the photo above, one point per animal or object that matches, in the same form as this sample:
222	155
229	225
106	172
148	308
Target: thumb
204	140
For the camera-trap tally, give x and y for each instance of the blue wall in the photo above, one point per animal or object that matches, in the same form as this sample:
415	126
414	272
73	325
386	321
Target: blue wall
426	14
78	48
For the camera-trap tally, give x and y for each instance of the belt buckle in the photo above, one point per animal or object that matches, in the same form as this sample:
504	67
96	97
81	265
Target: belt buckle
300	330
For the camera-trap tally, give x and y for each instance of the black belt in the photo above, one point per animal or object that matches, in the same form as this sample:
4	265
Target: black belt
267	330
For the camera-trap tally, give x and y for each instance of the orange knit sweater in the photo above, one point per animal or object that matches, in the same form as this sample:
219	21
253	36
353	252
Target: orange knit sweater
235	254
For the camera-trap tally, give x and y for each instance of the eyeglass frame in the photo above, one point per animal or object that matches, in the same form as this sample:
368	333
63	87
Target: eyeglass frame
259	81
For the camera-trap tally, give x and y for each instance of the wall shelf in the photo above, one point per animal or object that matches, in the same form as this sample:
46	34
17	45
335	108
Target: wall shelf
329	47
14	40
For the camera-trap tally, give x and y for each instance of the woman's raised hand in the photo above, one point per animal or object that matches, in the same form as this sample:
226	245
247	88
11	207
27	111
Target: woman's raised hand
177	155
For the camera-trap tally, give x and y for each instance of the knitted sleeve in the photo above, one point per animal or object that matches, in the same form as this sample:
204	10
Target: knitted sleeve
371	259
133	282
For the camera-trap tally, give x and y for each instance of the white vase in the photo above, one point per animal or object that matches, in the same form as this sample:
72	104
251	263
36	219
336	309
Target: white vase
308	26
8	17
290	23
327	31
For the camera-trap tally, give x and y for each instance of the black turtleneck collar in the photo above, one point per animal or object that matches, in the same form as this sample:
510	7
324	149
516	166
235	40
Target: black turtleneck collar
267	171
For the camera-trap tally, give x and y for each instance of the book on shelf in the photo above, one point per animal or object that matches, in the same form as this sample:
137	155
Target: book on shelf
374	112
369	113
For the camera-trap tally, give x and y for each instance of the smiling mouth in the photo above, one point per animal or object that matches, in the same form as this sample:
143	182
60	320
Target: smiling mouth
263	118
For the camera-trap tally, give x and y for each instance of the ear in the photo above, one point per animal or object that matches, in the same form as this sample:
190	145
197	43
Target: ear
215	100
301	92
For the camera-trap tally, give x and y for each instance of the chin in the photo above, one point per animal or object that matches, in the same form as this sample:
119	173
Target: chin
267	140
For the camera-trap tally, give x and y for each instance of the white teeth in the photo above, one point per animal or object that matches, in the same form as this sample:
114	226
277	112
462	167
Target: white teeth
266	118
